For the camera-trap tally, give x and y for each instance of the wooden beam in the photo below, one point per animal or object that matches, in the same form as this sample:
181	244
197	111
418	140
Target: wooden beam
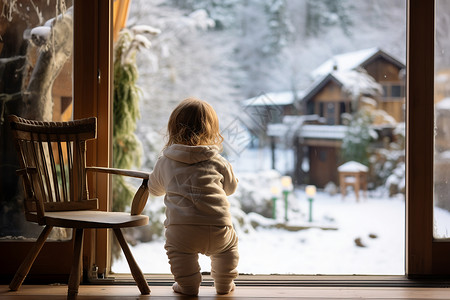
420	137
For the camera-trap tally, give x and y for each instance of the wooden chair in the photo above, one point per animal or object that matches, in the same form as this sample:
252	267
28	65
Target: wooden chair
53	160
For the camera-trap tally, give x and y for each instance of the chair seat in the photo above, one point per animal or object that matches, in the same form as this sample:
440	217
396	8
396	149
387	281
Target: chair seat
93	219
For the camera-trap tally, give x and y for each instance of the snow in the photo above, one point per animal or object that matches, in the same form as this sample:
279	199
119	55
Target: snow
331	250
42	31
256	160
352	166
337	132
358	83
344	62
444	104
445	155
369	101
274	98
327	245
201	19
145	29
39	35
291	125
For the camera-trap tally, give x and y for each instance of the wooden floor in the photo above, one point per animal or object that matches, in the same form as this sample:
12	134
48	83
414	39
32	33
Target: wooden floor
53	292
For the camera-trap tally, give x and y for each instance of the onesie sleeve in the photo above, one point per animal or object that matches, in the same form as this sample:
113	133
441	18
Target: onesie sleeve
229	180
155	183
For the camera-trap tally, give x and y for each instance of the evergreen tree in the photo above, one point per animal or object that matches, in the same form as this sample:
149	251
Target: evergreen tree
323	14
223	12
279	28
355	145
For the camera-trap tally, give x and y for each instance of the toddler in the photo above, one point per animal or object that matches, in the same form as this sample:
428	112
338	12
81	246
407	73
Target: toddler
196	181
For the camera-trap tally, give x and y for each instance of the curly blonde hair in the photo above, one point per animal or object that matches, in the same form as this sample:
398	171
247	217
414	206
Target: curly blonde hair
194	122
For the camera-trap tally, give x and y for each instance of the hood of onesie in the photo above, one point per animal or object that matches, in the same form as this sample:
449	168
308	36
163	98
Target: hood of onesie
190	154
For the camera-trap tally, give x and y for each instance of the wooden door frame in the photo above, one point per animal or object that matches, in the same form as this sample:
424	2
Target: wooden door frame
425	256
92	94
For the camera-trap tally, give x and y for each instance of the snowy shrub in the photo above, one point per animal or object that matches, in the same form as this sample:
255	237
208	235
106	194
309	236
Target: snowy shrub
395	183
355	145
331	188
254	191
388	164
240	220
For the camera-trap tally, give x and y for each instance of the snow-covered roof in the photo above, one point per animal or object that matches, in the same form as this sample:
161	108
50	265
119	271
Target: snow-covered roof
277	129
353	60
290	125
344	62
271	99
353	166
331	132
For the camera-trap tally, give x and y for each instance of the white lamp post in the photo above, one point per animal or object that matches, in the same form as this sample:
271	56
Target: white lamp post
310	192
286	183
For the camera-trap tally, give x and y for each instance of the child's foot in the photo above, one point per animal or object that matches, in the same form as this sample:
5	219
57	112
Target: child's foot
221	292
178	289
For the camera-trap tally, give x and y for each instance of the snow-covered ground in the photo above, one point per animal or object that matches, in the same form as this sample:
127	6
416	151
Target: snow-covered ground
314	250
330	244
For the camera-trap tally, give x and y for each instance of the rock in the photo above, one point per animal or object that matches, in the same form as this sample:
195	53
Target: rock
359	242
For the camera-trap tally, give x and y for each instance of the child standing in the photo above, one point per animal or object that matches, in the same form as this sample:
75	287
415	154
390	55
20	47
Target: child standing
196	181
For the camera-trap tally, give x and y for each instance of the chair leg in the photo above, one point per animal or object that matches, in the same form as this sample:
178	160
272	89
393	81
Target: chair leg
75	272
25	267
135	270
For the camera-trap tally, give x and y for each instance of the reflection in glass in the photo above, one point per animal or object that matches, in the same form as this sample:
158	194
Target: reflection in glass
36	43
442	122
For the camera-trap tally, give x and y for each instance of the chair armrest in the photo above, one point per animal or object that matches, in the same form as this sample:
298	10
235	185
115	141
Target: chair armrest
141	196
130	173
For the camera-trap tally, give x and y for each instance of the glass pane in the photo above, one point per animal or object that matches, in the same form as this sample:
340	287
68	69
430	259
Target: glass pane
442	122
36	83
298	87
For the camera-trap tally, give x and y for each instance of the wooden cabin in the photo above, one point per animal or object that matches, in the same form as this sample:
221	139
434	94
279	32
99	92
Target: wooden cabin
330	95
342	84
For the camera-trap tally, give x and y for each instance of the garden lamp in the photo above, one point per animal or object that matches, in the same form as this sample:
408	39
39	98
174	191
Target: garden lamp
310	192
275	191
286	183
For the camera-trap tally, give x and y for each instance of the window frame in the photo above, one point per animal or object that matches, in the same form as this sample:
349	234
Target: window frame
424	255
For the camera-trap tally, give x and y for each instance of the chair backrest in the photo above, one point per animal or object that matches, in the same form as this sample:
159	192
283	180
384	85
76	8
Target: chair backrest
53	160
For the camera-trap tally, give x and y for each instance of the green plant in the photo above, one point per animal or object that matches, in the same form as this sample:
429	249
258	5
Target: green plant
126	146
355	145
